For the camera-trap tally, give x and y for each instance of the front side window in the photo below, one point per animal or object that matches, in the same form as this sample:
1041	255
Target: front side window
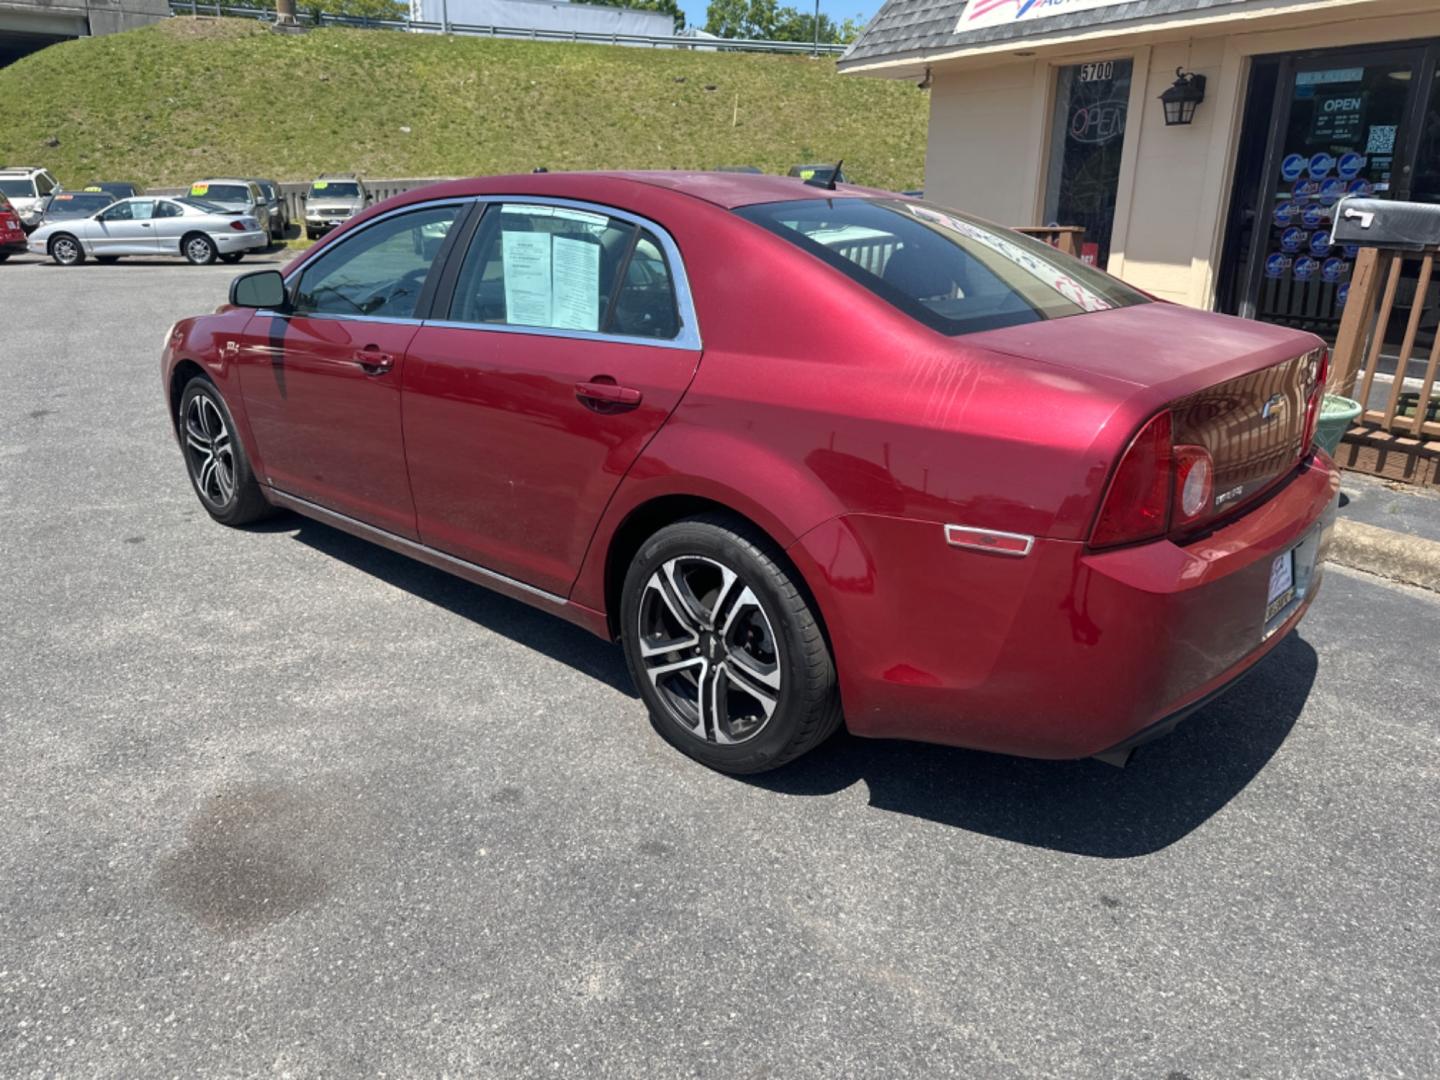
553	267
130	210
378	271
954	273
43	184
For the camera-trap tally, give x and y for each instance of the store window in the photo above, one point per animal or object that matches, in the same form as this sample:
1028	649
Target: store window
1087	134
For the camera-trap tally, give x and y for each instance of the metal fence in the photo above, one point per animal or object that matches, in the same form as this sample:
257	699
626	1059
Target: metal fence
652	41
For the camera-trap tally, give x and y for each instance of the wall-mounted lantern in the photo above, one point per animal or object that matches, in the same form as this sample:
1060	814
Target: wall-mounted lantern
1180	100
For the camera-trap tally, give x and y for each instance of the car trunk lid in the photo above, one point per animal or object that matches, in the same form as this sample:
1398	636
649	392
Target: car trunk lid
1238	388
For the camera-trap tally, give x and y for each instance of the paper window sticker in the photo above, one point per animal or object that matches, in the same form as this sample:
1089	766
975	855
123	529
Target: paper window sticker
321	185
199	189
526	257
576	293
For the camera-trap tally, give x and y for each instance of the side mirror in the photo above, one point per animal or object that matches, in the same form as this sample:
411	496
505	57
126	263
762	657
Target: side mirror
259	289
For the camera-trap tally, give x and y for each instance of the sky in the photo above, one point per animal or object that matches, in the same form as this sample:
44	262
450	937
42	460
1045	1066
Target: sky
839	10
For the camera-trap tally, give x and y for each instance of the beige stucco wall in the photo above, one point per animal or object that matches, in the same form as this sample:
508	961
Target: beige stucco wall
990	127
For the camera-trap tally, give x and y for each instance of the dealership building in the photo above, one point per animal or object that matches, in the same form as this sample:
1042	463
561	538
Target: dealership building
1220	196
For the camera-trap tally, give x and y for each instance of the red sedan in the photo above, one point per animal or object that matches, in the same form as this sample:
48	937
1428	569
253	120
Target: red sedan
814	456
12	235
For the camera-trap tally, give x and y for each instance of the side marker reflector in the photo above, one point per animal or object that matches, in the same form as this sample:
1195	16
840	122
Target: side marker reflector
998	543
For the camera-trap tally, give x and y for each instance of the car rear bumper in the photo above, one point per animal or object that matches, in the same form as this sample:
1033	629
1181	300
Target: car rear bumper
231	241
1064	652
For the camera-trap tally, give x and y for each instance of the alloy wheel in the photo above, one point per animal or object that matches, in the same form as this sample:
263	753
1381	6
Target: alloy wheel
209	451
709	650
66	251
198	250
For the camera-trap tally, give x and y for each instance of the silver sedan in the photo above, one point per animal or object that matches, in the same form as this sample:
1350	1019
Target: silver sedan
189	228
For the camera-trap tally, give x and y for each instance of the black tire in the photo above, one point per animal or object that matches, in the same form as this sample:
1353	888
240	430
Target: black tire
66	250
4	255
198	249
240	501
311	234
107	260
232	257
767	608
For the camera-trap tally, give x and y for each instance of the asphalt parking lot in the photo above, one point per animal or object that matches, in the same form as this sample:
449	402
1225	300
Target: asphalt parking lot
277	802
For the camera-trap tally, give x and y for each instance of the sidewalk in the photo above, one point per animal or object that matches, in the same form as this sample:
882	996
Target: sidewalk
1390	530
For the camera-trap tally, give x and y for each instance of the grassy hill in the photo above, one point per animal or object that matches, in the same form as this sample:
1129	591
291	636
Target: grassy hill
192	97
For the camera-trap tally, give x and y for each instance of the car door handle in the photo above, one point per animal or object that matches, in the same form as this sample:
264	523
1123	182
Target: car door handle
145	224
607	393
373	360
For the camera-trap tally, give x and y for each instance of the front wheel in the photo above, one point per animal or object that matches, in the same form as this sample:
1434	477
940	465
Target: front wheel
199	249
215	459
66	250
725	648
232	257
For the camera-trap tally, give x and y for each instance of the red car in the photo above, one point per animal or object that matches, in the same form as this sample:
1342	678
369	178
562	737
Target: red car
814	456
12	234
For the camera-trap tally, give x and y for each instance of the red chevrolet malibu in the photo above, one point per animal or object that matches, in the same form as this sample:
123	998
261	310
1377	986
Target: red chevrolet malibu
814	456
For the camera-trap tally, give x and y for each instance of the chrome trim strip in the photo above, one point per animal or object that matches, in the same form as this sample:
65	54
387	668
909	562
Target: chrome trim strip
572	335
956	536
406	546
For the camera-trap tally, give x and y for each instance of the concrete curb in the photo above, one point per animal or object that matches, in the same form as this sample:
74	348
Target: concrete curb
1397	556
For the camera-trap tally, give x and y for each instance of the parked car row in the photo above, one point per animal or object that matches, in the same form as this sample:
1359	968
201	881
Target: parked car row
216	218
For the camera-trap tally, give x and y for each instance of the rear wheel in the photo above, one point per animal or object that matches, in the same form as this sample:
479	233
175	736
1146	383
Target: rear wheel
66	250
725	648
215	459
199	249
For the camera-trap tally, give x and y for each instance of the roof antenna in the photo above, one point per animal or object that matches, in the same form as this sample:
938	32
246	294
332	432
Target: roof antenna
834	176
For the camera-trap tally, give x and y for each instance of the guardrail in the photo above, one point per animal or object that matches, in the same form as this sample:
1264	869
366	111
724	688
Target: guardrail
653	41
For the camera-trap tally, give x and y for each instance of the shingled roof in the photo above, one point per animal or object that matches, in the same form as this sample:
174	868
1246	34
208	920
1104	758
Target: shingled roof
915	29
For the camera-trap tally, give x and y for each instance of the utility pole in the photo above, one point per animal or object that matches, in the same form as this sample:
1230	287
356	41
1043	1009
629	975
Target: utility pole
817	28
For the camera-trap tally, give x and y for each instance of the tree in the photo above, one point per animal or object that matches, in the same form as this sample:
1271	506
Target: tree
765	19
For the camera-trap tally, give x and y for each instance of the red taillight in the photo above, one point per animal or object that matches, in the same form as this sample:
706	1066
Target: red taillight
238	226
1194	483
1312	407
1137	504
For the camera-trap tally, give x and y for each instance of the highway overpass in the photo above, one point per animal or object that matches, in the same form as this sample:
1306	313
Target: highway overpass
27	25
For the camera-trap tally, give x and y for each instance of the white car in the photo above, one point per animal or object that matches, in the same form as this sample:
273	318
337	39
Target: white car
190	228
29	190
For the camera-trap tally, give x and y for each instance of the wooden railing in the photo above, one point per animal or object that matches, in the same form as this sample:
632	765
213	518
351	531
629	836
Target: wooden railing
1065	237
1360	344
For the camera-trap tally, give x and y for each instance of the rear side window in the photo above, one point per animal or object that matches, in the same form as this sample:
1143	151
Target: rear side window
953	273
553	267
378	271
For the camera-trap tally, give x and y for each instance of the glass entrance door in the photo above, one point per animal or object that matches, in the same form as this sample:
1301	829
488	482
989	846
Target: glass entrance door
1341	129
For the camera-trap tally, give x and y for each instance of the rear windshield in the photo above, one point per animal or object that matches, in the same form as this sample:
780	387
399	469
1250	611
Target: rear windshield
201	204
68	205
954	273
221	193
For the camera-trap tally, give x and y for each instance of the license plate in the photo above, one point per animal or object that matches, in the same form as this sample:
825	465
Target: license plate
1282	584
